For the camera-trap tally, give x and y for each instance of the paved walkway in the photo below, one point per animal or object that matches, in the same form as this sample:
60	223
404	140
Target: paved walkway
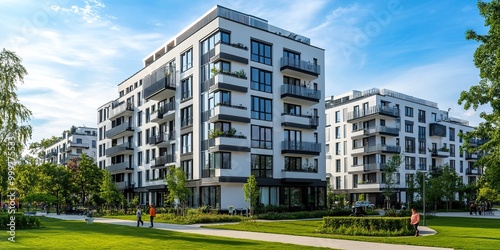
291	239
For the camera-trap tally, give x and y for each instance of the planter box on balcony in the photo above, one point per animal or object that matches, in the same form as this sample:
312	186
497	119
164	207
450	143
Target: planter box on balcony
298	121
223	143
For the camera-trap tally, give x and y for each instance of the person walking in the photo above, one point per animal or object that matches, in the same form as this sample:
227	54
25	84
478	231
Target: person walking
152	214
139	216
414	220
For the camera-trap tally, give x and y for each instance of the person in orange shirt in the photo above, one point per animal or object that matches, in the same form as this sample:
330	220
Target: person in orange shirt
152	214
414	220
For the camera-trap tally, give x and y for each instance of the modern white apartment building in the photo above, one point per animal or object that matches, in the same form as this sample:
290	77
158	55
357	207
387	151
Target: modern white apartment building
365	129
228	97
73	143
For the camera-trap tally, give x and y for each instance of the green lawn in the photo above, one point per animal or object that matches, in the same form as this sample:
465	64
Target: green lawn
58	234
457	233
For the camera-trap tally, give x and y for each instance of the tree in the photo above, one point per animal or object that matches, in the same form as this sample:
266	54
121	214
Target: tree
177	189
14	116
251	193
390	169
56	181
109	192
28	177
486	92
39	148
86	176
450	183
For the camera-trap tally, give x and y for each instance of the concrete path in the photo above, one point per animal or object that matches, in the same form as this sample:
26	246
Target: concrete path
291	239
467	215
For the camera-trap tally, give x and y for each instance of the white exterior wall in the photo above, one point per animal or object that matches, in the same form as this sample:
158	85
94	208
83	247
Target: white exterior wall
231	193
64	151
348	170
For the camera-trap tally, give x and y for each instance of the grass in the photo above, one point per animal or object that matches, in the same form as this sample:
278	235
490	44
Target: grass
168	219
457	233
59	234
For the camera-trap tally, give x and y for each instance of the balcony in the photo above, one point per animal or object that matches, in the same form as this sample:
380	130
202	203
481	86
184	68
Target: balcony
122	167
369	167
300	147
473	171
299	68
72	145
293	174
299	121
370	185
70	157
163	161
238	143
124	185
293	93
164	113
372	111
437	130
121	149
51	154
355	169
121	130
121	109
391	149
440	153
227	82
161	89
477	142
232	113
236	52
472	156
382	130
162	140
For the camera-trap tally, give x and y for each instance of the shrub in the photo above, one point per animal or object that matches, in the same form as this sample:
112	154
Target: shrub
303	214
367	226
395	213
22	221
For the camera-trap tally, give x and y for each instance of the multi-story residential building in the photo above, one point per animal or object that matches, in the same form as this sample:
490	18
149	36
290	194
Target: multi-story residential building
73	143
229	97
365	129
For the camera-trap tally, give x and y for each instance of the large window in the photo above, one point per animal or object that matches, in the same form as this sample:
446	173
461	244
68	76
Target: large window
262	108
187	60
187	167
262	166
451	134
222	97
211	41
187	116
291	56
186	143
262	137
421	115
291	81
187	88
261	52
292	109
409	163
293	163
410	145
408	126
220	160
337	116
409	111
261	80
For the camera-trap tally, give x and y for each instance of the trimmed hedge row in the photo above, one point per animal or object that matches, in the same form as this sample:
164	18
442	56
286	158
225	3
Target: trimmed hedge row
22	221
303	214
367	226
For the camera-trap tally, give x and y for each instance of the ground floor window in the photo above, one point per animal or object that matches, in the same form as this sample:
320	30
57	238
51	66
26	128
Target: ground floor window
304	197
210	196
192	200
269	195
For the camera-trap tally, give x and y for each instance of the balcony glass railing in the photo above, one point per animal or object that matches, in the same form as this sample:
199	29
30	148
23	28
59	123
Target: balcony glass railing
287	89
300	65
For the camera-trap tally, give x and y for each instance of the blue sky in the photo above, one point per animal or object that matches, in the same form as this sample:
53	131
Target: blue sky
76	52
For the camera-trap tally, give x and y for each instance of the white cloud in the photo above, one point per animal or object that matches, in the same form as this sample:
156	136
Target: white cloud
90	13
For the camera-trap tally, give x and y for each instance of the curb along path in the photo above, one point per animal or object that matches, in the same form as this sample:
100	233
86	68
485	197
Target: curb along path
269	237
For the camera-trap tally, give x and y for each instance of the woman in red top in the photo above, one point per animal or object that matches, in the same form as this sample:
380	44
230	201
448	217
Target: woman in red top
152	214
415	219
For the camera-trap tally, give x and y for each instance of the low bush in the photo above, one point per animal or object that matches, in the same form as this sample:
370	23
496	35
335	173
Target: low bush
397	213
303	214
22	221
196	217
367	226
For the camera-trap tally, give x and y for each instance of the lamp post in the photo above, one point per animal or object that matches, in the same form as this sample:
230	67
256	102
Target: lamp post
423	185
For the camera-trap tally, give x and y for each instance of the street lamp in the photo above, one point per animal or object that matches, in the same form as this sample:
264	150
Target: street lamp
423	185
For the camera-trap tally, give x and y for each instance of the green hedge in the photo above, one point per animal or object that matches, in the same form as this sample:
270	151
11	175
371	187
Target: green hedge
368	226
22	221
303	214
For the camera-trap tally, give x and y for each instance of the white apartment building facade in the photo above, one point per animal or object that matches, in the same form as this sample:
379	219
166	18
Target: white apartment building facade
73	143
228	97
365	129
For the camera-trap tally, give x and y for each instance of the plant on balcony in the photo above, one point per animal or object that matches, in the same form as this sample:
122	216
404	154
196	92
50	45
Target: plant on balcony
215	71
444	149
216	133
231	132
240	74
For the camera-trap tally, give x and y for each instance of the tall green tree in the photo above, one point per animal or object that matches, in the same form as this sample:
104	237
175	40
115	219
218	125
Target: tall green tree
177	189
28	177
39	148
109	192
486	92
251	193
86	176
390	170
14	116
450	184
56	181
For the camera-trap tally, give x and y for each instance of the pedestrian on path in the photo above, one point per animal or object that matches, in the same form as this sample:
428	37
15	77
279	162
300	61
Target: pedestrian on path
152	214
139	216
414	220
